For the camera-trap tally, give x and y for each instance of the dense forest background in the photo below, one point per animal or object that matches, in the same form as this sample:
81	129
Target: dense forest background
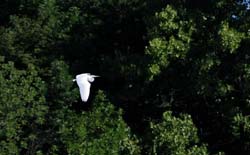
175	77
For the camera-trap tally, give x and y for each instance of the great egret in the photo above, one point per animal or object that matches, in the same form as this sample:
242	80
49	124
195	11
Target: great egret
84	82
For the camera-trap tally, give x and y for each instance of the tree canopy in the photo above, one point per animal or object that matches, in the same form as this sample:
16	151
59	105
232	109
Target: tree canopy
175	77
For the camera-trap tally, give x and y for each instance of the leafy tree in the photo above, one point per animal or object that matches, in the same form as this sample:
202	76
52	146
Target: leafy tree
37	40
23	109
60	88
188	57
176	136
171	37
241	131
99	131
206	79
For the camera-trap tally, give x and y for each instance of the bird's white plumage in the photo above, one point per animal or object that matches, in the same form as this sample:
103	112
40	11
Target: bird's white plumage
83	82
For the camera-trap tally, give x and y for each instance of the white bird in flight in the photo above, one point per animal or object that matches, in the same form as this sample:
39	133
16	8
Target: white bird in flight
84	82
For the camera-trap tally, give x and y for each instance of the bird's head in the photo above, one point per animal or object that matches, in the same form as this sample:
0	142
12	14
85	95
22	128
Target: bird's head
91	78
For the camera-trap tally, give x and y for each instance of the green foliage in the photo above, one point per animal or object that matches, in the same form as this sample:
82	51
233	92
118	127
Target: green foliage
60	88
99	131
22	109
241	130
230	38
35	41
185	56
176	136
62	96
171	36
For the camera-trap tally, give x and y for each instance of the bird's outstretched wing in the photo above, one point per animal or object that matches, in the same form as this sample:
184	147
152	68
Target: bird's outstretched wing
84	90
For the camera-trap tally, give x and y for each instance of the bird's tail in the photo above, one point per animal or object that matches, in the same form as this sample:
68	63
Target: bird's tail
74	80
